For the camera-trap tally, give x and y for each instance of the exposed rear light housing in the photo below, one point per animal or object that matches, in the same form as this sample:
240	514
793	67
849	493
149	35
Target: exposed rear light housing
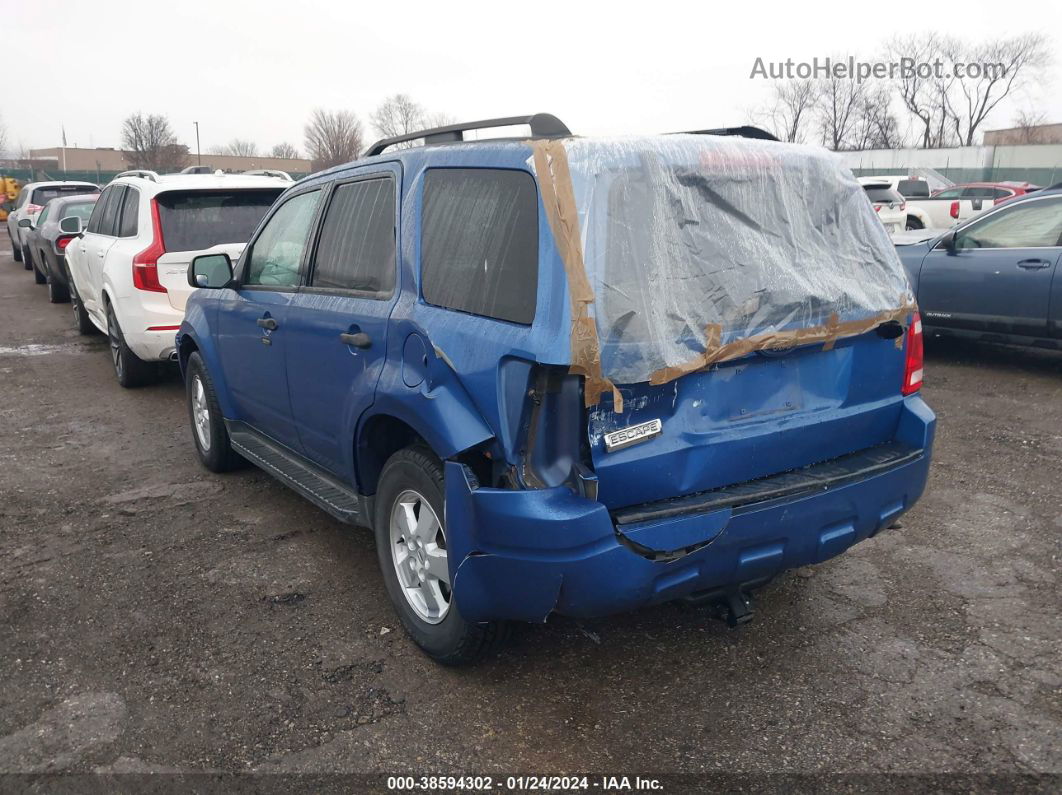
146	263
913	370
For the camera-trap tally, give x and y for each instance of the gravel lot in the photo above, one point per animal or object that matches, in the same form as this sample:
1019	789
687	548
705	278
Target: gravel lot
157	617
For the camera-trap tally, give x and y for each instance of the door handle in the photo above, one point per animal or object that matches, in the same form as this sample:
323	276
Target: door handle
267	323
359	340
1033	264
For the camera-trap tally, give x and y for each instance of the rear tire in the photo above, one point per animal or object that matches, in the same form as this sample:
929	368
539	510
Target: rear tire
57	293
26	260
410	485
38	275
130	370
209	434
913	223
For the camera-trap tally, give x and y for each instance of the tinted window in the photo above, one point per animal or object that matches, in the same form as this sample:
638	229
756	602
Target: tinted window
97	212
1035	224
277	251
950	193
109	222
978	192
192	220
913	188
82	210
356	250
130	207
882	193
45	195
479	242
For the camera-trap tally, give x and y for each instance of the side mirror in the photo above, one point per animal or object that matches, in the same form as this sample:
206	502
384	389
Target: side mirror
212	271
948	242
71	225
25	223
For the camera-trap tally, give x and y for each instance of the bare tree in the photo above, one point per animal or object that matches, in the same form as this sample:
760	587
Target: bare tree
925	96
789	110
284	150
875	126
238	147
333	137
1003	65
398	115
1027	123
837	109
150	143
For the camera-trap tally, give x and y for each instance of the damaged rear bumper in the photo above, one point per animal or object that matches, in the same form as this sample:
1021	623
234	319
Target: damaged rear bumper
522	555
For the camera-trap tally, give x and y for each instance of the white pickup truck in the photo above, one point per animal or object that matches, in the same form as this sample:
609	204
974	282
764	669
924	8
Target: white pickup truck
953	204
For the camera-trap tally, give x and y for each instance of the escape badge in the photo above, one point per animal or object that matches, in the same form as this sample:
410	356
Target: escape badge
625	437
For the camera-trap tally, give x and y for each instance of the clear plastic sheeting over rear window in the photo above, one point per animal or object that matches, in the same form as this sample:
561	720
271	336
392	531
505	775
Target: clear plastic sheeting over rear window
694	241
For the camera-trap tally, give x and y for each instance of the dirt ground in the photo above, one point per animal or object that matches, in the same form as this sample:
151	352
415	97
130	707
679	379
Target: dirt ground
160	618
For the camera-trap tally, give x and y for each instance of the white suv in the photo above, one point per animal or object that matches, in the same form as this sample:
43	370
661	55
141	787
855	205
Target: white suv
30	202
128	267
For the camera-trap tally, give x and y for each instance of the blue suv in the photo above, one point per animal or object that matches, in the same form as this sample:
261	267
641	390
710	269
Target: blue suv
569	375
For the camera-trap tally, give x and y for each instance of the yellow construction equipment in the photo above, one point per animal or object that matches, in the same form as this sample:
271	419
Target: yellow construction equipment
9	188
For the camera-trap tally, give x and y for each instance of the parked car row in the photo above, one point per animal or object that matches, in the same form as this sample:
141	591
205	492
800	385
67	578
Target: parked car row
552	374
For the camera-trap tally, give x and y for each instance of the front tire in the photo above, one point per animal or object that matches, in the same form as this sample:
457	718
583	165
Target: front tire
411	547
16	252
82	321
211	438
130	370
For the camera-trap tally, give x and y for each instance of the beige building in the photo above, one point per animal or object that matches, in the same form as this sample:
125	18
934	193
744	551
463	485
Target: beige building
1014	136
109	160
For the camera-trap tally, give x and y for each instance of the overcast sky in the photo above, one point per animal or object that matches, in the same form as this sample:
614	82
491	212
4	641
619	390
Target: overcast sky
255	70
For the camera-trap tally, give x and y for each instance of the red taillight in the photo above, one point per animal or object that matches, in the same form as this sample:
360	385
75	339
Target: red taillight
32	209
877	208
954	212
903	205
146	263
912	368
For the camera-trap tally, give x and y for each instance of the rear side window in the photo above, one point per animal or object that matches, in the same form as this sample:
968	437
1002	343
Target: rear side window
479	242
97	211
109	222
914	188
45	195
356	250
882	193
130	207
193	220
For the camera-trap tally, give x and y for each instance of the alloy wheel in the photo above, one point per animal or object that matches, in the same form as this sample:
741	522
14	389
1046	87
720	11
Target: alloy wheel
200	413
418	552
113	335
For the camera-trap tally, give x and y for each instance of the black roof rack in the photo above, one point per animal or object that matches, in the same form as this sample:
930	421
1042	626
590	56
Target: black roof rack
543	125
745	131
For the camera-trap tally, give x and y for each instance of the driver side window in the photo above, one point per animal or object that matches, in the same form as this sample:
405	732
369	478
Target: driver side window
1034	224
277	252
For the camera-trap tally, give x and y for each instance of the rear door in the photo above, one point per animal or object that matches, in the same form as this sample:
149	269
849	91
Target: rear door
198	221
252	318
999	278
336	328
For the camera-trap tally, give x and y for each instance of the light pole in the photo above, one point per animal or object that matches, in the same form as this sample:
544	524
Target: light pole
198	156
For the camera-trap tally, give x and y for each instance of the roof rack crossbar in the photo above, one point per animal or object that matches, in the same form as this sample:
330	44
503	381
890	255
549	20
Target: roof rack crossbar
543	125
745	131
140	172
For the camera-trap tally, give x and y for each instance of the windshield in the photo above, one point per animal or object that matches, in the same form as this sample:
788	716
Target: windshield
882	193
194	220
80	210
44	195
691	242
